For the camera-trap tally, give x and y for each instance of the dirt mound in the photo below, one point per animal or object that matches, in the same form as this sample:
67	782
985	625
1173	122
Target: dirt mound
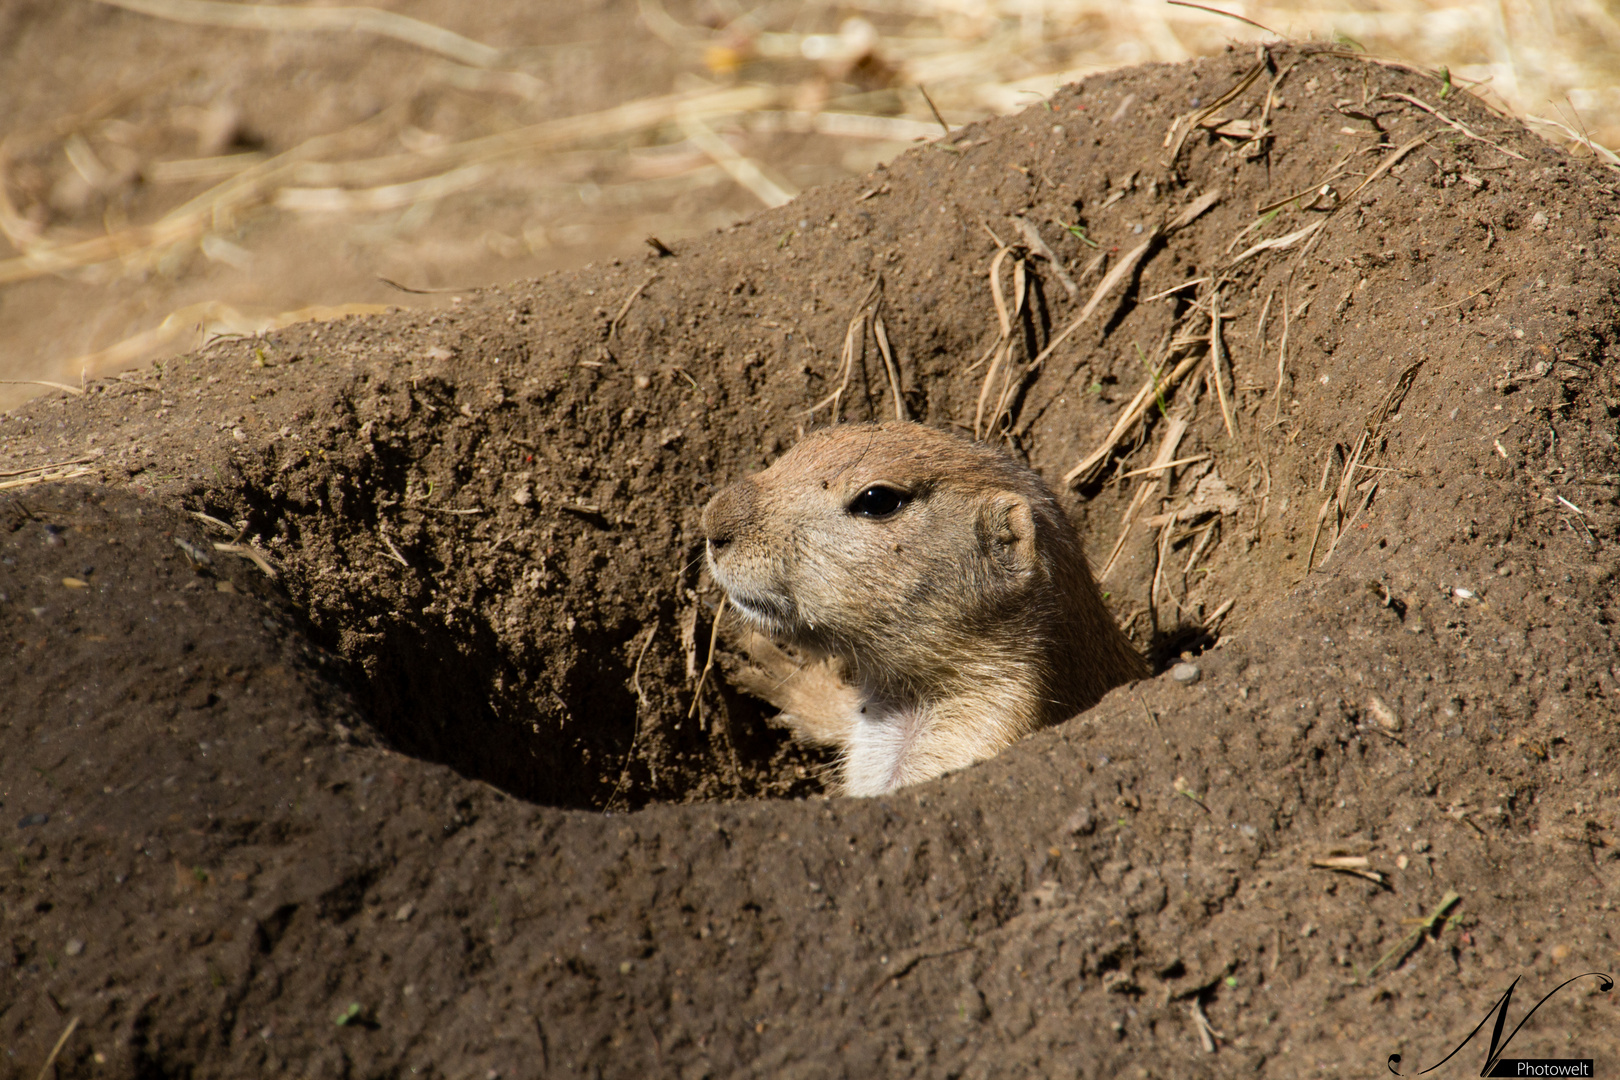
340	654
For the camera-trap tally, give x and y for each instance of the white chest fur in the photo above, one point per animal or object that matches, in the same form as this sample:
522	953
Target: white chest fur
882	750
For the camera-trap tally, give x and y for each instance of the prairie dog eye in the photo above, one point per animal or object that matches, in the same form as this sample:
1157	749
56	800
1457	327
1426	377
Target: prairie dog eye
878	501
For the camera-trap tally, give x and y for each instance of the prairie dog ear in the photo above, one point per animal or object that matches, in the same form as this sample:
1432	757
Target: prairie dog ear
1007	530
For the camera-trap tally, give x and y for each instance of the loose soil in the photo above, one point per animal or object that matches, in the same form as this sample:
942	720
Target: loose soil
429	794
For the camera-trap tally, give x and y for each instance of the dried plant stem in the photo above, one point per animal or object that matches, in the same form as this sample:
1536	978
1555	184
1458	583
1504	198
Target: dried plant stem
361	19
1133	412
1282	358
44	478
1120	271
1217	363
854	334
1173	432
73	1025
708	665
881	334
998	351
1454	125
745	170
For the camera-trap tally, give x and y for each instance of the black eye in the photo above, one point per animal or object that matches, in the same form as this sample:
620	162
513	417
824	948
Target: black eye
878	501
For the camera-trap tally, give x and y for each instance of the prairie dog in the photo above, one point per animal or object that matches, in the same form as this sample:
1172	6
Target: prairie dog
936	585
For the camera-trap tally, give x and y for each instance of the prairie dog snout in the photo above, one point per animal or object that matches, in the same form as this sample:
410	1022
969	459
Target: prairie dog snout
936	587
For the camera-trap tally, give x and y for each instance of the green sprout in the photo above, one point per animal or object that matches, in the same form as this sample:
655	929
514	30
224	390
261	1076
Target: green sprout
1079	233
1153	373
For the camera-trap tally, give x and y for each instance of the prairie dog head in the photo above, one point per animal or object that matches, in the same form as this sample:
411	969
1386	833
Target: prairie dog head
915	556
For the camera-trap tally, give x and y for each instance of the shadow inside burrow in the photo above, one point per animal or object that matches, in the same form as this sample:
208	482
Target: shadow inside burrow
589	741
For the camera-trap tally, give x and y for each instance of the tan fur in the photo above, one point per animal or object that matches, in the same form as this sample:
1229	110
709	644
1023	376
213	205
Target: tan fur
937	636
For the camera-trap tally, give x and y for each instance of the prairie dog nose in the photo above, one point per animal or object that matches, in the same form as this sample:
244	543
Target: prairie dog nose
728	512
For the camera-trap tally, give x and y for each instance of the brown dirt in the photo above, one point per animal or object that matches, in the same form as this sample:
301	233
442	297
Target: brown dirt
441	768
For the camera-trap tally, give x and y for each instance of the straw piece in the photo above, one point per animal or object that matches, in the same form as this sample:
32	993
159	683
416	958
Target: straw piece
1037	244
1280	241
854	336
1003	343
1217	363
44	382
386	197
745	170
1603	153
1120	271
1455	125
48	467
1174	430
1387	164
889	366
73	1025
1133	412
1160	467
361	19
44	478
1212	108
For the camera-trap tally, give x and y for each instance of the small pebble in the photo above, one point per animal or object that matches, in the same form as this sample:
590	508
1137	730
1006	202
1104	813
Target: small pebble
33	819
406	910
1185	673
74	947
1386	717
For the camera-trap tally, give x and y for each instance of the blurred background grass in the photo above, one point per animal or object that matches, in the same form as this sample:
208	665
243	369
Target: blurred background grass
175	169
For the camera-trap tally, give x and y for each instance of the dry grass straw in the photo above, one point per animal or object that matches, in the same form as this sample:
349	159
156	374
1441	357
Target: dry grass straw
1421	928
75	390
708	664
44	478
1217	365
45	1070
1120	272
1355	865
1152	388
772	191
1368	446
881	334
278	18
1164	460
1455	125
635	729
1002	349
253	555
854	343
